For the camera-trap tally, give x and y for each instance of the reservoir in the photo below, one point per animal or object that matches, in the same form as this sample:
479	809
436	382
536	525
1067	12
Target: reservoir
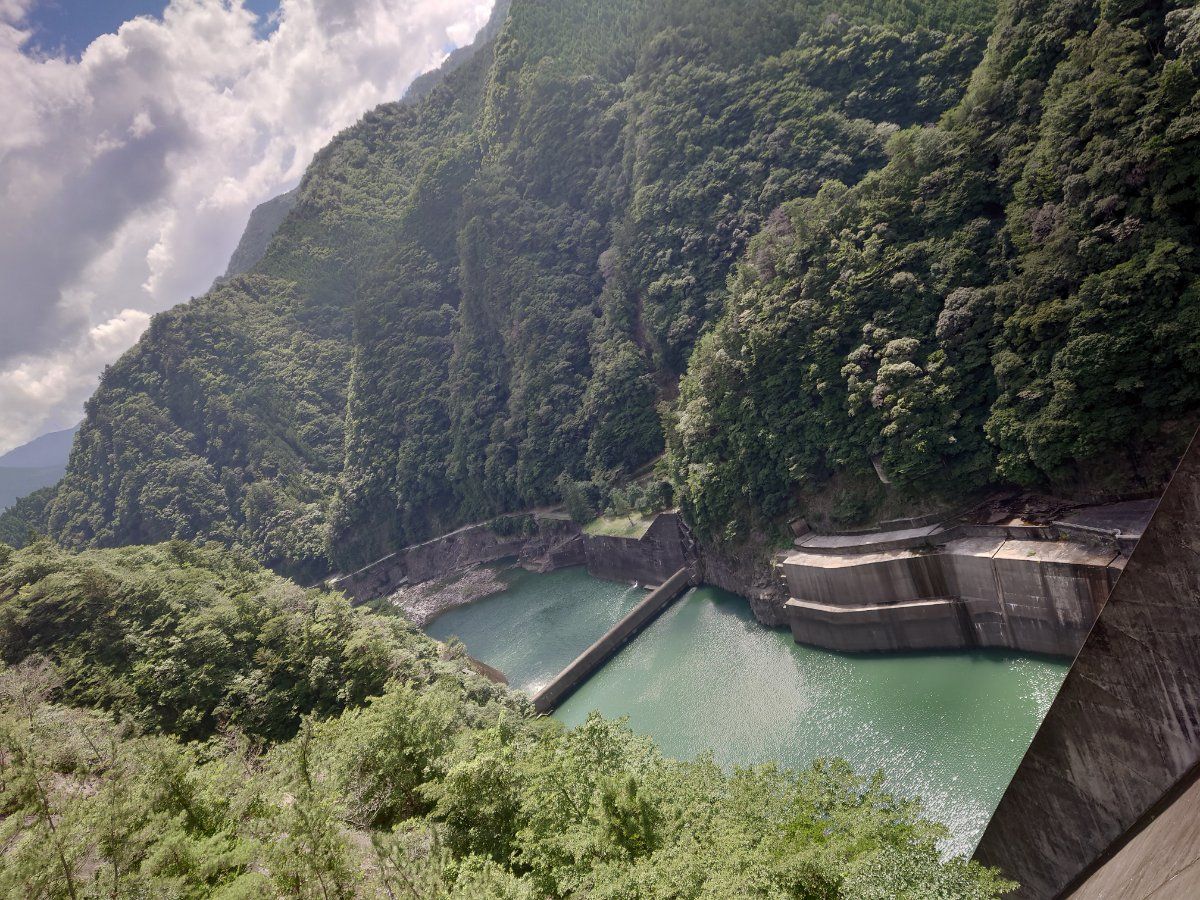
706	677
542	622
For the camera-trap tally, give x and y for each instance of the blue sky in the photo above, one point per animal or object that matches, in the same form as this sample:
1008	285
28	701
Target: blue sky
70	25
129	166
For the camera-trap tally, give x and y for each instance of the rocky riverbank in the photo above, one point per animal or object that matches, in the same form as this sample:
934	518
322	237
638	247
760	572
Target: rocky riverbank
423	602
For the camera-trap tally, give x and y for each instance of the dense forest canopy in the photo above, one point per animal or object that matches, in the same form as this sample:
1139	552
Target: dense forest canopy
785	241
1013	297
177	722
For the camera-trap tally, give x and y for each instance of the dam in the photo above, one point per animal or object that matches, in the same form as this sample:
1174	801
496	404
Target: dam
705	677
928	650
1014	584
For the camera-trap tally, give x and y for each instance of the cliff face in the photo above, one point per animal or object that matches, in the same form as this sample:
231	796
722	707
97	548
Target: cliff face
264	222
747	569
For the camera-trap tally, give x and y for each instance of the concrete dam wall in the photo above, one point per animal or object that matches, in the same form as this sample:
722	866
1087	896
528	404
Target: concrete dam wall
1102	804
932	588
664	549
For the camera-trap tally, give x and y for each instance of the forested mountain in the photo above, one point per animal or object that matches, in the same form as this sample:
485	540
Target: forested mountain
1014	296
955	241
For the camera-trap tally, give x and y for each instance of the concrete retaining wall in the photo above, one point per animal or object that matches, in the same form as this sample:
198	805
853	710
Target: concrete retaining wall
916	625
979	591
650	559
584	665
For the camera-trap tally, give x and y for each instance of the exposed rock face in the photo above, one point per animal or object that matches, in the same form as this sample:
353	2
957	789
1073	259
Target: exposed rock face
748	572
553	550
543	542
264	222
423	602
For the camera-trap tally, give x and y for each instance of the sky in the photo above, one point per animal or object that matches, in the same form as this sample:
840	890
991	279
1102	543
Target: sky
138	136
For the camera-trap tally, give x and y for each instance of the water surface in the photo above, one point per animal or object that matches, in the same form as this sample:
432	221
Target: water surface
542	622
705	677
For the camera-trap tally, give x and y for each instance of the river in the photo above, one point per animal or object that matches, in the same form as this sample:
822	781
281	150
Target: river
706	677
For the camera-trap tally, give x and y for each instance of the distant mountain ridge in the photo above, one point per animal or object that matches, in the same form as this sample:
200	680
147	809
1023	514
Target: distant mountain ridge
46	451
38	464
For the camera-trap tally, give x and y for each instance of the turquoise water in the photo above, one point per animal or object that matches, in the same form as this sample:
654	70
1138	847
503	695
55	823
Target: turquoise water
705	677
542	622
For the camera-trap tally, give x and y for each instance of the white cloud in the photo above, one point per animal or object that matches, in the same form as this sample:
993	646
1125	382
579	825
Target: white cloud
49	381
126	176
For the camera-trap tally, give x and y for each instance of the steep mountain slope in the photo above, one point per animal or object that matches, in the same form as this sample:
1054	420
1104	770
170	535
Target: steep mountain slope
494	285
1013	297
264	222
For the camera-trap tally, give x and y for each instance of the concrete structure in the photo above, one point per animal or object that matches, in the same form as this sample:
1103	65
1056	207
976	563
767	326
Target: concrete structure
664	548
1161	861
1035	588
540	542
583	666
1121	743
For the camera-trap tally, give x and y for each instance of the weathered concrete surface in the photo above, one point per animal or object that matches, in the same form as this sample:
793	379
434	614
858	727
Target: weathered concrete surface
663	550
878	540
591	659
1125	728
914	625
554	539
930	588
1161	862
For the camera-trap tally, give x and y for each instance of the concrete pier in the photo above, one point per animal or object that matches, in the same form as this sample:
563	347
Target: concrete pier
591	659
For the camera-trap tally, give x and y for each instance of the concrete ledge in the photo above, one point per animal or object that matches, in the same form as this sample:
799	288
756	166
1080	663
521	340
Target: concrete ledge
591	659
933	624
989	587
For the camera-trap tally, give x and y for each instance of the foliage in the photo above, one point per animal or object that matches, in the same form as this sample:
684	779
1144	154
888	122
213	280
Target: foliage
433	787
191	641
499	280
1013	297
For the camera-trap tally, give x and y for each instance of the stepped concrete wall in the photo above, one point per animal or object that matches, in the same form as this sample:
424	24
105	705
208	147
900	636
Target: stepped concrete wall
1124	731
928	589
